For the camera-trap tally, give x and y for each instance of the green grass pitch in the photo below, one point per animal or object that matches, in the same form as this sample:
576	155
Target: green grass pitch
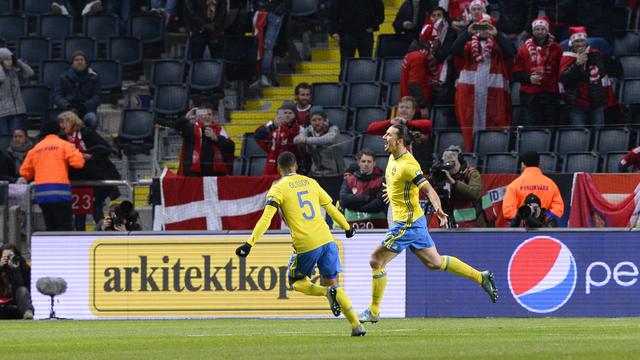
546	338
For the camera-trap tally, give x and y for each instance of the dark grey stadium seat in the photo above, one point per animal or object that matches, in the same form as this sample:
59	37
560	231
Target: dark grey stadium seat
250	147
446	138
373	143
55	27
167	72
573	140
548	162
612	160
12	28
500	163
390	70
171	99
533	140
136	131
79	43
101	27
256	165
110	75
338	116
491	141
366	115
206	75
328	94
613	139
363	94
581	162
630	92
360	70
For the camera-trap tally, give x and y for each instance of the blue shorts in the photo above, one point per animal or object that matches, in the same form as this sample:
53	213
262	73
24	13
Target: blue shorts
415	236
327	257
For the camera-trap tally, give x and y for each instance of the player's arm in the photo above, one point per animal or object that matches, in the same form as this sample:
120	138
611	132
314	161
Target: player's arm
334	213
423	185
262	225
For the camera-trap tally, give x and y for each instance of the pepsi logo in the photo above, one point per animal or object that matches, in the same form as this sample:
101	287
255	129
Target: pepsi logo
542	274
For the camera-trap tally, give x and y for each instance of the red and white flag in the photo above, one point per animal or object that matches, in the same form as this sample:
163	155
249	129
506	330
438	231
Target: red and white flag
212	203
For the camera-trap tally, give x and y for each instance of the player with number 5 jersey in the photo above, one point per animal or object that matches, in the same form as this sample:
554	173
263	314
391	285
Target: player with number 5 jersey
299	199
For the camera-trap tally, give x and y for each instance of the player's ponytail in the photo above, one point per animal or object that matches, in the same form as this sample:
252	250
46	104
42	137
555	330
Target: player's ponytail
404	134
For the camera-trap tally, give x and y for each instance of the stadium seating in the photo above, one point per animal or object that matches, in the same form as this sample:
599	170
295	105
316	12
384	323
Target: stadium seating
339	116
55	27
373	143
79	43
36	100
136	131
573	140
256	165
6	7
390	70
392	46
350	160
491	141
630	66
501	163
302	8
328	94
34	50
101	27
360	70
148	28
347	142
12	28
171	100
393	94
5	141
548	162
581	161
445	138
363	94
630	92
443	117
50	71
611	161
612	139
238	166
625	43
471	159
36	7
621	17
110	75
206	75
533	140
366	115
250	147
126	50
167	72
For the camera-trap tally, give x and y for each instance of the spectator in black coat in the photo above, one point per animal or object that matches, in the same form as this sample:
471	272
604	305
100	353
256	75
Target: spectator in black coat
411	16
206	147
78	90
95	151
15	280
352	24
205	25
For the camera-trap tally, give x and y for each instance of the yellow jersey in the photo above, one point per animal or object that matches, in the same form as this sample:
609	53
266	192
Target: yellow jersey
299	199
404	180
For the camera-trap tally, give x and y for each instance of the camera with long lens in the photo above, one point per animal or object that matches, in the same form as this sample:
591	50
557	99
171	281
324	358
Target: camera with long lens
125	214
15	258
527	212
438	177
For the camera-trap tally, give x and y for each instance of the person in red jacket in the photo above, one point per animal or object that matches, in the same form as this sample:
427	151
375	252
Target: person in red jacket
537	70
420	68
277	136
632	159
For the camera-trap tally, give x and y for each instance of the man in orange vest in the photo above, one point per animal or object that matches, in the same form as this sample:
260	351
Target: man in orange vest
48	162
532	181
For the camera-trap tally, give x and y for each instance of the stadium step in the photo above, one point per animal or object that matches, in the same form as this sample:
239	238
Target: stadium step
294	79
278	93
393	3
264	104
324	67
325	54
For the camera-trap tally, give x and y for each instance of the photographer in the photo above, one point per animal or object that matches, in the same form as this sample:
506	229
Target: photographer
532	181
13	113
15	277
459	187
122	217
533	215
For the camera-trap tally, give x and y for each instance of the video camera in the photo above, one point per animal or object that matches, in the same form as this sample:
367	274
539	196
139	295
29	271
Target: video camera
438	177
125	214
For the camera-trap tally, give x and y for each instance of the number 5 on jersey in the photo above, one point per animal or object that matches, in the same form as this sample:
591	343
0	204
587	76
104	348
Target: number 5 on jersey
304	203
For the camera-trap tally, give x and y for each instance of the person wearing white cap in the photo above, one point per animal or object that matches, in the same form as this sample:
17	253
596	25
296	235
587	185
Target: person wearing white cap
12	108
584	77
536	69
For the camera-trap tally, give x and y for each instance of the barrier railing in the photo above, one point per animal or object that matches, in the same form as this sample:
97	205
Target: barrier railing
130	185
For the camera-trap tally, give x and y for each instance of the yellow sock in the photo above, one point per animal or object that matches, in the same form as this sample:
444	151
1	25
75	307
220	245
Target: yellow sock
347	309
378	284
455	266
306	287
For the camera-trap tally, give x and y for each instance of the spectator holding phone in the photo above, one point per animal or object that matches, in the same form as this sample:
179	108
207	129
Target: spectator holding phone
12	108
206	147
277	136
482	98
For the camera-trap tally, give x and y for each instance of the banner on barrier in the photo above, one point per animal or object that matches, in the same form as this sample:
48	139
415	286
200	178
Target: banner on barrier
593	274
155	276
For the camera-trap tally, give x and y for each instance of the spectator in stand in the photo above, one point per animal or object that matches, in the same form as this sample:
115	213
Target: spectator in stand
460	190
270	25
532	181
78	90
7	168
561	13
410	17
537	69
15	280
48	163
18	149
361	194
97	166
533	215
320	143
407	114
446	74
277	136
12	108
303	103
482	98
352	24
205	27
206	147
583	75
420	68
458	12
473	10
632	159
513	18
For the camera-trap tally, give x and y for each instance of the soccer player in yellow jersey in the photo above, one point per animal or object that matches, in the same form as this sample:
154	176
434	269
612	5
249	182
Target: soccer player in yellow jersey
404	181
300	198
